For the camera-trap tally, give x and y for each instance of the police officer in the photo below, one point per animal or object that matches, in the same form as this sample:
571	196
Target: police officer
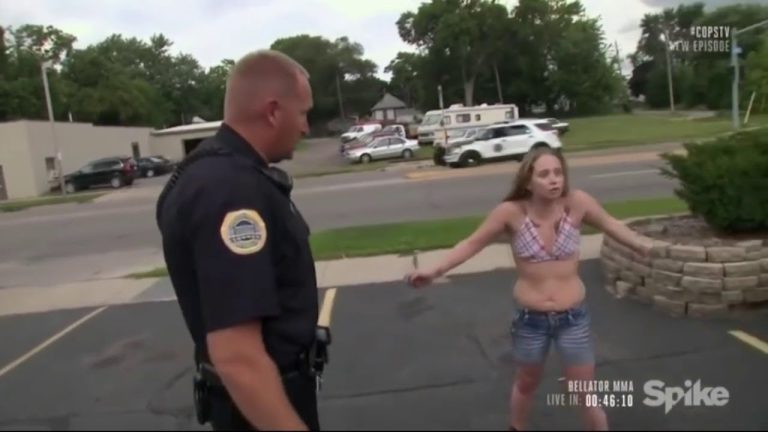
238	255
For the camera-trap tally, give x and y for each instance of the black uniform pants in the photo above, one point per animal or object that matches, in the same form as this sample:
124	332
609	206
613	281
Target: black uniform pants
300	388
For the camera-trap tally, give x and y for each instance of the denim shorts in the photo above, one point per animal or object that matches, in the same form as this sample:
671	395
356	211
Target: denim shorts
533	331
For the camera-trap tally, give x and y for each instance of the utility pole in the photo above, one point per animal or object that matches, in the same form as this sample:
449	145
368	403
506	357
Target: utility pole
44	70
618	57
338	92
498	81
735	51
442	108
667	41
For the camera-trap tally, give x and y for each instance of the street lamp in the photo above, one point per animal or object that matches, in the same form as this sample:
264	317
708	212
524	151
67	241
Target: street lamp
44	70
667	41
735	51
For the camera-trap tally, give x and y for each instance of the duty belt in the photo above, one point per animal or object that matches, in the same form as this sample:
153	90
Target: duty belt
311	361
207	372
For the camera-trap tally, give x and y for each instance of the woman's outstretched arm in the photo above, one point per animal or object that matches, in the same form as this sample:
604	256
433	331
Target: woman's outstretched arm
492	227
596	216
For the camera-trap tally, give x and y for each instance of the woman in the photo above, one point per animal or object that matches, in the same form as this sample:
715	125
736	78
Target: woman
543	216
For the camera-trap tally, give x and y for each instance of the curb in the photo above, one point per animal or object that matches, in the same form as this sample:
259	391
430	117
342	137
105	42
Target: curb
511	167
330	274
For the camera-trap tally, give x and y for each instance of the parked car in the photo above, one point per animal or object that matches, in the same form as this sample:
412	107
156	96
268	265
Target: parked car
451	139
511	140
560	126
385	147
554	124
154	165
116	172
358	142
550	123
359	130
363	140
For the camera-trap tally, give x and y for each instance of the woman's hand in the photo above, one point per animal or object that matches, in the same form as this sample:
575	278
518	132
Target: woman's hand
643	246
420	279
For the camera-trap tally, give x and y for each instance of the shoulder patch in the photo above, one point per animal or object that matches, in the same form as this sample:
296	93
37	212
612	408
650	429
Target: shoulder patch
244	231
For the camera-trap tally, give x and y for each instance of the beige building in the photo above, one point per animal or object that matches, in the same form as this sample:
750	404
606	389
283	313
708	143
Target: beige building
27	151
176	142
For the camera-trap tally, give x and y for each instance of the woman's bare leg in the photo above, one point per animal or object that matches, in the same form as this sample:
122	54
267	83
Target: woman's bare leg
527	378
594	417
574	341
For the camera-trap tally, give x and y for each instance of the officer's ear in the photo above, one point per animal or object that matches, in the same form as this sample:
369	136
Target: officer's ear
273	111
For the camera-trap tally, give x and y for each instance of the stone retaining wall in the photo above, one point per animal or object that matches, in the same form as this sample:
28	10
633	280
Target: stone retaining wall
696	281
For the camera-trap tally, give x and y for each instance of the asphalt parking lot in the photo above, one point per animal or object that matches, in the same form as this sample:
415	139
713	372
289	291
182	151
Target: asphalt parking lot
433	359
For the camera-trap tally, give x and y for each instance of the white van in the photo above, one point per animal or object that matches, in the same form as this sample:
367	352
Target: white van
359	130
438	125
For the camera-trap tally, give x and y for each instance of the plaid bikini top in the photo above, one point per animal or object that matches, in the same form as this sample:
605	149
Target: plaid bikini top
527	243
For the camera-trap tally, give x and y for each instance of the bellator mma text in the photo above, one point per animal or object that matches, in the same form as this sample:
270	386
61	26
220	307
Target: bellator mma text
600	386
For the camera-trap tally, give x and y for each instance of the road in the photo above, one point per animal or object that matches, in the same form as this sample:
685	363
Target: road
430	360
68	243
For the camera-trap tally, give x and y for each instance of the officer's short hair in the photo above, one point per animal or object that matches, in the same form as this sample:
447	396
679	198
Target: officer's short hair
259	67
265	65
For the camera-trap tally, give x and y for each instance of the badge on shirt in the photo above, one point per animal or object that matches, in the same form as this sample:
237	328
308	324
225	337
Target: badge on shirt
244	232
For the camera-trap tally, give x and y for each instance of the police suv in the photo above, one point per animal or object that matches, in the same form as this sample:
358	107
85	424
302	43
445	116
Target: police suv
504	140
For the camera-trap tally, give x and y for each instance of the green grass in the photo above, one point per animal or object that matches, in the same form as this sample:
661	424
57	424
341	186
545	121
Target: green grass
442	233
592	133
21	204
301	146
154	273
406	237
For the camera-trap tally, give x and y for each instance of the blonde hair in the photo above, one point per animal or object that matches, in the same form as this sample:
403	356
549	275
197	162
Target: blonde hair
258	72
520	189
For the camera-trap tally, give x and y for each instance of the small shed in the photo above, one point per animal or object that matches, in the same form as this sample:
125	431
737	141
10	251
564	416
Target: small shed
392	109
178	141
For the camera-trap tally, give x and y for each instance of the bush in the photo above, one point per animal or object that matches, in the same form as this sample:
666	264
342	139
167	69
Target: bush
726	181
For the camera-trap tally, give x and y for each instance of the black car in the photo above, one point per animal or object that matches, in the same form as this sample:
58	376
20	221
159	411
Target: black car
116	171
154	165
561	126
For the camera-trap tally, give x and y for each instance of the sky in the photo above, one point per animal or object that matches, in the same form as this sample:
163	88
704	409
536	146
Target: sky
212	30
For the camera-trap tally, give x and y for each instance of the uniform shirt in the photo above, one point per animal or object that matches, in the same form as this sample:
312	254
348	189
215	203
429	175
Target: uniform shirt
237	250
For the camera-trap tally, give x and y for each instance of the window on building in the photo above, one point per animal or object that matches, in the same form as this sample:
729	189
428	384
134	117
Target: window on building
463	118
478	117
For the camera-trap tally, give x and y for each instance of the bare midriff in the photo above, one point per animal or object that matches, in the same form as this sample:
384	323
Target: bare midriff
548	286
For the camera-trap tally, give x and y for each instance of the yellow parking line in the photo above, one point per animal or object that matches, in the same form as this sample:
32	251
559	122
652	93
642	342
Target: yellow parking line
324	320
457	173
50	340
750	340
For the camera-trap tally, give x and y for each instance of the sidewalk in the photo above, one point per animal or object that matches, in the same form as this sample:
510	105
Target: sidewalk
330	274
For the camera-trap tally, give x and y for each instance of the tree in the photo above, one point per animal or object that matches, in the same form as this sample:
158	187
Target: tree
700	78
212	90
406	81
756	77
343	81
459	29
562	59
581	76
24	50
